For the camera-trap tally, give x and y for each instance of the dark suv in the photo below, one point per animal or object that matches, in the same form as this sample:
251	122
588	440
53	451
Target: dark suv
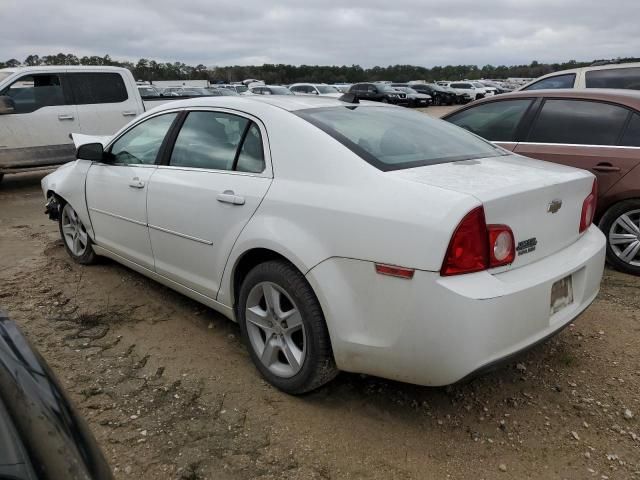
379	92
438	94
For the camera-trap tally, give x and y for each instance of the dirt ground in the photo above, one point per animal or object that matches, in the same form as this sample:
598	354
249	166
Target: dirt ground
170	392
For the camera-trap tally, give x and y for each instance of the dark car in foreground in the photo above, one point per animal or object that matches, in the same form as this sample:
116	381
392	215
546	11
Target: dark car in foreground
41	434
379	92
594	129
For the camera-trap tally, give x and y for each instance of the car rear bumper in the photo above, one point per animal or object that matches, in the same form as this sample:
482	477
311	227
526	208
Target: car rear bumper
434	330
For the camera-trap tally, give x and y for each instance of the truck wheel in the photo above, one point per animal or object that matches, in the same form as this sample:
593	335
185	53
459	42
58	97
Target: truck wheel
621	225
284	329
76	240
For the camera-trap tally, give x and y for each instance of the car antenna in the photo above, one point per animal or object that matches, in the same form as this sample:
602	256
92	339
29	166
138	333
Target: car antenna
349	98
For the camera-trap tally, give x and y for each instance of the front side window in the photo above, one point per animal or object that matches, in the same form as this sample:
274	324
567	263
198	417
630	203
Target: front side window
141	144
33	92
628	78
578	122
558	81
94	88
208	140
495	121
394	138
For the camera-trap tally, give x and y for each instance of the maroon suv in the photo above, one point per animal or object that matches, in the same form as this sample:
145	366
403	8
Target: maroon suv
598	130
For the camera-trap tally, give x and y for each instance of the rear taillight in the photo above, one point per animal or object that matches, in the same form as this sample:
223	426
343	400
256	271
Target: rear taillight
589	207
476	246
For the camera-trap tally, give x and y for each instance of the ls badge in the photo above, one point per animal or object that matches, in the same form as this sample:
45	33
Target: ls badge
554	206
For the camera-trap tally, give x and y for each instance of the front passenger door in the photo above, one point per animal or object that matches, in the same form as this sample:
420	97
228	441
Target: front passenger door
116	192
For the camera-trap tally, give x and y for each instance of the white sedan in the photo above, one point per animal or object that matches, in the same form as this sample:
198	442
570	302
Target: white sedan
341	236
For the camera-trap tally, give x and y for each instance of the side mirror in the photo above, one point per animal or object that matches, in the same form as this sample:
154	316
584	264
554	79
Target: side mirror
91	151
7	105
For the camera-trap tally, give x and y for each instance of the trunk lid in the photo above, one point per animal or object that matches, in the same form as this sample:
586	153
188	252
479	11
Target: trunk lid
519	192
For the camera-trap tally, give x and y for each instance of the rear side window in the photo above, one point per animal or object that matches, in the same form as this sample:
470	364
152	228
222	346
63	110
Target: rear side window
33	92
628	78
578	122
251	156
93	88
559	81
397	138
495	121
631	136
208	140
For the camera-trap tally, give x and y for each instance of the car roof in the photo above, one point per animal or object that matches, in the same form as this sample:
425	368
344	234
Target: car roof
630	98
285	102
59	68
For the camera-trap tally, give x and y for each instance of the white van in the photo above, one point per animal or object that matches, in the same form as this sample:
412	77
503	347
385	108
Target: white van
613	75
41	106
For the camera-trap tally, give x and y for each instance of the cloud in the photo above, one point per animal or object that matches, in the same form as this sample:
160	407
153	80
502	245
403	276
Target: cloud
329	32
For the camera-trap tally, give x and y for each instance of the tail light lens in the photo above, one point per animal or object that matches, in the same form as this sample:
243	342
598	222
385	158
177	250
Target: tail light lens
476	246
589	207
469	247
502	249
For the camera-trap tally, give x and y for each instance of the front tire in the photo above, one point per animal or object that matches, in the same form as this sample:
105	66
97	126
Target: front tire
74	235
284	329
621	226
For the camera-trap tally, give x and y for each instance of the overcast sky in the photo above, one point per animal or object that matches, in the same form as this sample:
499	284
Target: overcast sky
326	32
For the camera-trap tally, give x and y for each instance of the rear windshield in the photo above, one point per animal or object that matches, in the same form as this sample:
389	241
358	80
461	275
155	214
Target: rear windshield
392	138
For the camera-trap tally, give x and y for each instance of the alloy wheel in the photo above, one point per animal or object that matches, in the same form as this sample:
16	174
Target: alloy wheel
275	329
624	237
73	231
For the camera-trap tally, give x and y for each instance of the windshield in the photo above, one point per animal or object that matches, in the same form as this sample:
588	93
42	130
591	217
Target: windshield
326	89
387	88
227	92
395	138
148	92
241	88
280	91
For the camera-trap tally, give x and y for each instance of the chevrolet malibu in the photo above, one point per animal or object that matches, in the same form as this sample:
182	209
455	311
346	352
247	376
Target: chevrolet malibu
340	236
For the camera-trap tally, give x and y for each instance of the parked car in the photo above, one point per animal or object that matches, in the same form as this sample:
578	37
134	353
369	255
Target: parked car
379	92
42	436
341	236
594	129
149	91
225	92
270	90
187	92
238	88
415	98
438	94
319	89
41	106
485	89
614	75
466	90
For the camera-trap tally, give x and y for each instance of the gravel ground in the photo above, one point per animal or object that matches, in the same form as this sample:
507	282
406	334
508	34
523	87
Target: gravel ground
170	392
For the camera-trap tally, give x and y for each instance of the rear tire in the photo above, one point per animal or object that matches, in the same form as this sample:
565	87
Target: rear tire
621	226
77	241
286	333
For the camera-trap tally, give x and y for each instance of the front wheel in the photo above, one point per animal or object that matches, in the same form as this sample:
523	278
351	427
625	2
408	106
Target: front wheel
621	225
284	329
76	240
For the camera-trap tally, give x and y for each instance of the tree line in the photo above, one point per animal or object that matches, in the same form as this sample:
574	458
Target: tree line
150	70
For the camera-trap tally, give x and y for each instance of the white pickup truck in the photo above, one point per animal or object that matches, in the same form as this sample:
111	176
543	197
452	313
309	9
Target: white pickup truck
41	106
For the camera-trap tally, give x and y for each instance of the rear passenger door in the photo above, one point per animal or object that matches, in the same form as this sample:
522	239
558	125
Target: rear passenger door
585	134
104	104
210	184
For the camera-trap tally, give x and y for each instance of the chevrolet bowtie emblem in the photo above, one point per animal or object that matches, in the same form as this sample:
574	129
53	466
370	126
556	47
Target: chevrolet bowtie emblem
554	206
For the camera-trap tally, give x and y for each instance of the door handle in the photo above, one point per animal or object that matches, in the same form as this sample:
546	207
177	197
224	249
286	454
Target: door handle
229	197
129	113
135	182
65	117
606	167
